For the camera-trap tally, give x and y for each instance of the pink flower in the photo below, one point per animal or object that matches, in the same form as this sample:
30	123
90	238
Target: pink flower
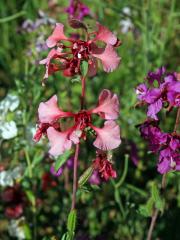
57	35
49	111
108	105
107	138
79	50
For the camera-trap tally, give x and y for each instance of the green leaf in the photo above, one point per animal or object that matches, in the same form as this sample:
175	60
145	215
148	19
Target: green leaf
71	222
66	236
147	209
84	68
85	176
76	79
37	158
62	159
27	231
31	197
158	200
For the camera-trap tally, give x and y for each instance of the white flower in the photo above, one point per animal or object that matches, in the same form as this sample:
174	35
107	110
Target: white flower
126	10
15	228
8	130
6	179
10	102
16	173
126	24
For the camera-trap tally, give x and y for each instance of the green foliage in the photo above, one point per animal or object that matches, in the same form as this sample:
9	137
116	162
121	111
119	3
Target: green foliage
155	201
85	176
71	223
118	209
62	159
84	68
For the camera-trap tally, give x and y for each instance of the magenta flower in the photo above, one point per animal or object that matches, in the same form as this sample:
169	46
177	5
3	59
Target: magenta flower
95	178
168	92
107	137
68	58
77	10
167	145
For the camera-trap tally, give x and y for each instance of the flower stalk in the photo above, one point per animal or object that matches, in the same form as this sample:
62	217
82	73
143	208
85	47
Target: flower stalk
75	177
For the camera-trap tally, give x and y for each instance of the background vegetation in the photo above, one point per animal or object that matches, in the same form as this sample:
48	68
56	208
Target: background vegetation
107	211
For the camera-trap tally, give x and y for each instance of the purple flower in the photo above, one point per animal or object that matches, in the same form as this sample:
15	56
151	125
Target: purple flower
69	164
95	178
133	152
141	91
168	92
165	144
58	173
157	75
77	10
168	160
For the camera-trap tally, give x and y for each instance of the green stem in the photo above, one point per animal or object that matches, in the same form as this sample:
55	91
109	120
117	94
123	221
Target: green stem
119	202
125	170
28	162
135	189
12	17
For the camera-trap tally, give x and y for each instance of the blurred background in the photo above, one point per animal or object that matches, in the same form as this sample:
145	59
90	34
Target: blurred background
34	203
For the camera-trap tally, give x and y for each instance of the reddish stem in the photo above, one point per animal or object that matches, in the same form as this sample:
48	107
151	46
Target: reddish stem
75	177
177	120
153	222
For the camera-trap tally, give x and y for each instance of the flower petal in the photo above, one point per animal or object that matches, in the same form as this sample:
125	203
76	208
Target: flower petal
49	111
108	56
50	67
108	106
163	166
57	35
154	108
105	35
59	141
108	137
92	67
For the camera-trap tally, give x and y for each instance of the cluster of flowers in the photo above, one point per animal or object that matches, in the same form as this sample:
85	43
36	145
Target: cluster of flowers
68	53
14	201
166	95
69	59
166	144
107	138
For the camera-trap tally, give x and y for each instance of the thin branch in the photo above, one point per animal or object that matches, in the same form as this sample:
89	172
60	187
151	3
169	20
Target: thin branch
75	177
177	120
152	225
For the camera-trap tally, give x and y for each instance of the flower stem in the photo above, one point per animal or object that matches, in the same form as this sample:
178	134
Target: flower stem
75	177
153	222
177	120
83	79
28	163
12	17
